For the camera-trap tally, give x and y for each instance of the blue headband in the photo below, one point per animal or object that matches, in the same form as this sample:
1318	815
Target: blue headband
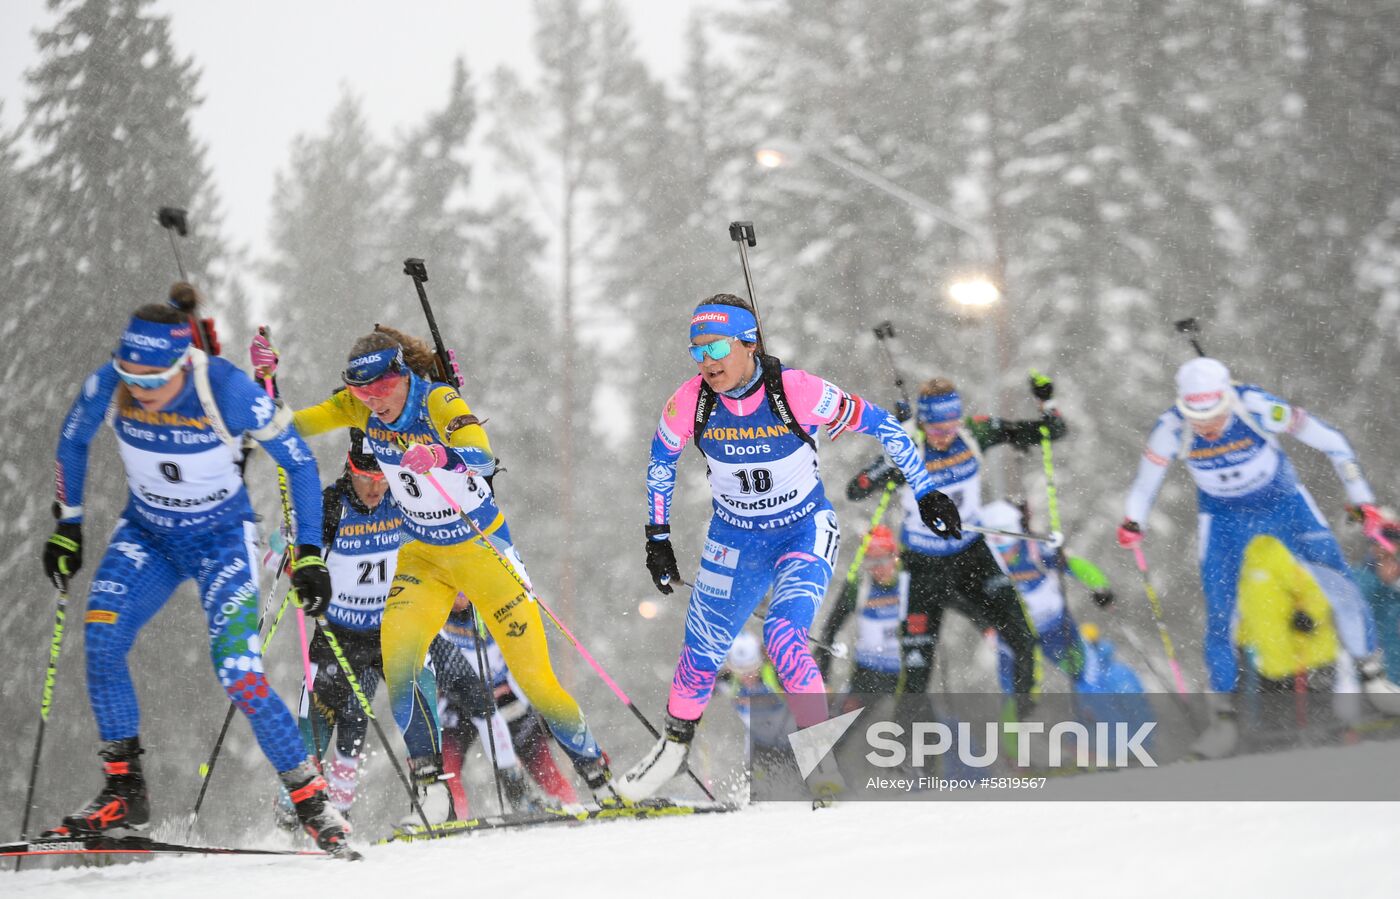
938	409
373	365
729	321
154	343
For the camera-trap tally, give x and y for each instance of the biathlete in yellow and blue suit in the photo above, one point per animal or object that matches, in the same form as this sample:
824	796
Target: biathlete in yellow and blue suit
419	430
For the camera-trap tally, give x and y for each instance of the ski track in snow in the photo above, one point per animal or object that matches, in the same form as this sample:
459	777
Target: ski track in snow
945	849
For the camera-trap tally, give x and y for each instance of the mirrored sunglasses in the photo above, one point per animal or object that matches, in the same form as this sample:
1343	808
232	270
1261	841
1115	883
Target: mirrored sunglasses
153	380
715	350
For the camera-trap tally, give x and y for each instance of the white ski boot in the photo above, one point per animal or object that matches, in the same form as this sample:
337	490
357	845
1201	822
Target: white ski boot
666	760
1222	736
1381	692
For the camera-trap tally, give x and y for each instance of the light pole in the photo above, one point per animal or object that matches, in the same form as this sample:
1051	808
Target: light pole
981	292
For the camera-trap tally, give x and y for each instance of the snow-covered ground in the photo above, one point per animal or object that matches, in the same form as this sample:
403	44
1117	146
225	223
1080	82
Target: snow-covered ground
936	849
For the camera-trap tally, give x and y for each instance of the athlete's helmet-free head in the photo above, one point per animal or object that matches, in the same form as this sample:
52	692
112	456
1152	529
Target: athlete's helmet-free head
745	656
882	545
1003	516
1203	389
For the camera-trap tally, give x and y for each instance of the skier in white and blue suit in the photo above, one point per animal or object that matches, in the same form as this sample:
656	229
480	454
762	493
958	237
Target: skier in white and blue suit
1228	436
179	417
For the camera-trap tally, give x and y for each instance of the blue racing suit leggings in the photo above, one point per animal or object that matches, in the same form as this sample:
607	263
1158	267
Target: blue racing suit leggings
136	577
1225	530
737	568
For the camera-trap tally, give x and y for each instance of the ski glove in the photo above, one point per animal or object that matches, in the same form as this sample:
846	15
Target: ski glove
1042	388
263	356
63	553
422	458
1129	534
1103	598
1375	525
902	411
940	515
311	580
661	558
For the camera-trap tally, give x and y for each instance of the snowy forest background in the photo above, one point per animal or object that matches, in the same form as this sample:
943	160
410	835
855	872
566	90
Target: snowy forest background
1133	163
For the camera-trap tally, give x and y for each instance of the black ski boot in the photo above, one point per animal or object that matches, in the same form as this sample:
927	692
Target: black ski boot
434	795
598	775
319	818
517	791
123	803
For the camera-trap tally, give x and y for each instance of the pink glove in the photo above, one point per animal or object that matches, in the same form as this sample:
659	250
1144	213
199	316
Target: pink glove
422	458
1376	526
1129	534
263	356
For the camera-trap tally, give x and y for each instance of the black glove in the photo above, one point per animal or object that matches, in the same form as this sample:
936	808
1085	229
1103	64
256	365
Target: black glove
940	515
63	553
1103	598
311	580
822	656
1042	388
661	558
902	412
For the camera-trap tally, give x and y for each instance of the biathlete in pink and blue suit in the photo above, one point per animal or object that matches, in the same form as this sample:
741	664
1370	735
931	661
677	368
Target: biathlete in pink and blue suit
773	528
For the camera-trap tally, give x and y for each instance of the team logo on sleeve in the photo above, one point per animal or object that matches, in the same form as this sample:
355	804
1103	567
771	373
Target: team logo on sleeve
826	406
263	410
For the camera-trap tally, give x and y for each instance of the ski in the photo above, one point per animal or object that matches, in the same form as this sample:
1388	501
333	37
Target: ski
647	808
135	845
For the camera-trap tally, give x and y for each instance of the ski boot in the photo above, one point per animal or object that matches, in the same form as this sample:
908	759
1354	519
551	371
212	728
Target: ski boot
1220	738
1380	691
321	821
430	785
284	811
597	773
826	783
123	804
664	762
517	790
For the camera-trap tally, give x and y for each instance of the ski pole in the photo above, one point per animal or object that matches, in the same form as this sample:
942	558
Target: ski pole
743	234
1054	540
617	691
363	700
45	702
284	492
568	635
836	650
483	663
853	571
417	269
1157	616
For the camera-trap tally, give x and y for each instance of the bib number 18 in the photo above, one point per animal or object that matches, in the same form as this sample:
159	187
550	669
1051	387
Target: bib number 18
759	480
